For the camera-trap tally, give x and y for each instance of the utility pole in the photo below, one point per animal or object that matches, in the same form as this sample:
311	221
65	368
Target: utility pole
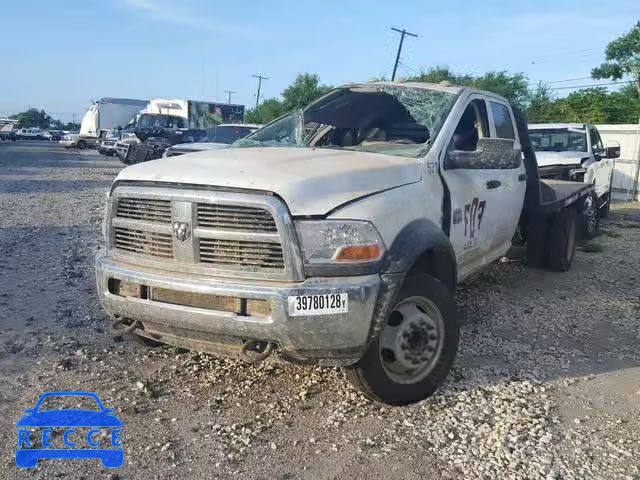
402	33
229	92
260	78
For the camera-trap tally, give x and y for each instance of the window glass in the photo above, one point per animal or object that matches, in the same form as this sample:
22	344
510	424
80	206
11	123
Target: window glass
471	146
558	140
596	141
502	121
473	125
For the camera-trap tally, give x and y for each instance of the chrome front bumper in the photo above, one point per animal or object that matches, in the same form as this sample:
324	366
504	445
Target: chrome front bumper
336	339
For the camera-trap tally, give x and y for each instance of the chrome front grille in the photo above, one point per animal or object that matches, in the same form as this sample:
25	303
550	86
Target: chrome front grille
220	233
148	210
147	243
241	253
234	217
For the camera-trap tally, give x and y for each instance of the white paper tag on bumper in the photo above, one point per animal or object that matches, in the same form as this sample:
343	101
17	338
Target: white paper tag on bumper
327	304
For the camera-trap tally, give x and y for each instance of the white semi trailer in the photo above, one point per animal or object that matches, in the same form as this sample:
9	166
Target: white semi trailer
107	114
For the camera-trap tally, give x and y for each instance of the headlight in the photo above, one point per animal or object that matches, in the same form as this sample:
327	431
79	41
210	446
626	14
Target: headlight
339	242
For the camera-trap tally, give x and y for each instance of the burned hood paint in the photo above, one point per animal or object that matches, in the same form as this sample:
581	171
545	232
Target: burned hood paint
311	181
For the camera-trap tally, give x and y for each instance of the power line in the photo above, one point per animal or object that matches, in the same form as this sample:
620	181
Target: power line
562	81
591	85
408	69
402	33
260	78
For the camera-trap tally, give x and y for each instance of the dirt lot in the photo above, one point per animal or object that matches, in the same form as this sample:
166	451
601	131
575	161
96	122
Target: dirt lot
546	385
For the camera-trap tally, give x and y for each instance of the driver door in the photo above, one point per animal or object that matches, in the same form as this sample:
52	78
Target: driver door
484	173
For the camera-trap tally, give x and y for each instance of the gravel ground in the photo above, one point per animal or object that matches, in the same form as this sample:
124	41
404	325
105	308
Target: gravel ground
546	385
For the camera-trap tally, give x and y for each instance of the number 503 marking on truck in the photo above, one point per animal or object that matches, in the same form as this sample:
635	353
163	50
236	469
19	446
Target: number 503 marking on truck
473	214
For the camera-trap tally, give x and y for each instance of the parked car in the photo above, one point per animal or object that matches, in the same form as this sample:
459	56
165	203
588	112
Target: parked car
574	151
219	137
33	133
8	135
56	135
70	140
336	234
107	145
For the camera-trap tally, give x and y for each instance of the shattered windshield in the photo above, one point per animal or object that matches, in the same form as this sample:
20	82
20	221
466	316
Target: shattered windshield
377	118
558	140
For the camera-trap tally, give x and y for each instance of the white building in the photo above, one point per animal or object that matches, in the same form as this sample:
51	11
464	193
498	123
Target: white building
627	171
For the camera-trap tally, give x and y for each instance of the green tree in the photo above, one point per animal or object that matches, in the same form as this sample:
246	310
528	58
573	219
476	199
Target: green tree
304	89
268	110
541	104
512	87
71	126
442	73
33	118
622	58
597	105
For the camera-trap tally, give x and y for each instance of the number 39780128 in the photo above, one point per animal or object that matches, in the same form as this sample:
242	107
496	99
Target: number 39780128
324	304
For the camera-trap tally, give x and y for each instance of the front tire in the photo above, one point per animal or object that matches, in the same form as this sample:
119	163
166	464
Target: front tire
416	347
82	144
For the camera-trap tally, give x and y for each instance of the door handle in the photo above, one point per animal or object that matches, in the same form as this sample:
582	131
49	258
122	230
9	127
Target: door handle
491	184
522	177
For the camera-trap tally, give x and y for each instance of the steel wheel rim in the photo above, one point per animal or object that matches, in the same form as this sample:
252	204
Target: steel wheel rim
590	215
411	340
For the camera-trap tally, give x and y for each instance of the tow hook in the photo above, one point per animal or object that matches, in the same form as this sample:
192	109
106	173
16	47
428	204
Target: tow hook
260	349
118	333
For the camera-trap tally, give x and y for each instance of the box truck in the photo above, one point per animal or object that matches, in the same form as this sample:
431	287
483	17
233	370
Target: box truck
105	115
167	122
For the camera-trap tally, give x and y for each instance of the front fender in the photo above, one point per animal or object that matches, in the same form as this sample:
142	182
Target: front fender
413	241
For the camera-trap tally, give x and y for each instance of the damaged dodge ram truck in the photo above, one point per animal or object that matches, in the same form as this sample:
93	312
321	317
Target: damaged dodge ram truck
336	234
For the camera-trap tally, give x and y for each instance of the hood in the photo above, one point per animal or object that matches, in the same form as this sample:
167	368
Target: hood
560	158
198	146
311	181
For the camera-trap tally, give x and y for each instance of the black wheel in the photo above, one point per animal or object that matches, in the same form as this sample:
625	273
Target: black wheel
562	241
416	346
590	216
147	342
82	144
604	209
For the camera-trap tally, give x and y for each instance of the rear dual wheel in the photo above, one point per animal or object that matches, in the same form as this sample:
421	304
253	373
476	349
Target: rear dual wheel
416	346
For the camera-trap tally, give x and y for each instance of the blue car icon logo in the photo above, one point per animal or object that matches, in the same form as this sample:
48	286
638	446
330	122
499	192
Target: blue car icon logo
81	428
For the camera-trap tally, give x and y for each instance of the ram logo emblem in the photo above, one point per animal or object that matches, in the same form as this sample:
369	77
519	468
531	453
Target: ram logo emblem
182	231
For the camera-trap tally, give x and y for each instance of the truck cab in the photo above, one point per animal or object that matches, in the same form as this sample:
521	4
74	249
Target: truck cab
575	151
335	235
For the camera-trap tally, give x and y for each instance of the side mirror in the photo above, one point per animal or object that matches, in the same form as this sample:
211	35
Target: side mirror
109	411
612	151
30	410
